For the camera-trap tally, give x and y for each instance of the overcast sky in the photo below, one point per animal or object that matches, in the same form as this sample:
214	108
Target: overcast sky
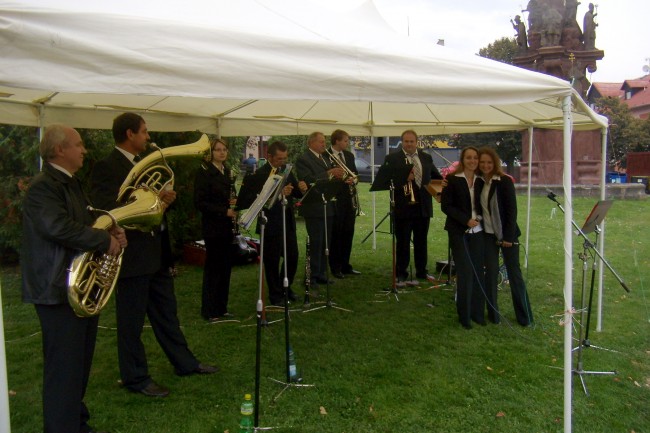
623	30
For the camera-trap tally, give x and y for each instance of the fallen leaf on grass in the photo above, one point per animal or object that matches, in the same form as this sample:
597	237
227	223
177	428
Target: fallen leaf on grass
323	411
489	368
371	409
12	393
637	384
500	414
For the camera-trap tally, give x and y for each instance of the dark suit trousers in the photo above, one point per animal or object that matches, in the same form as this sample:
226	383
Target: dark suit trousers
341	248
316	232
274	269
520	300
152	296
216	276
419	228
68	348
468	255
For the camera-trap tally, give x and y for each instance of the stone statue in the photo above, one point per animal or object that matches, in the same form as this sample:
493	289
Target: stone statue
589	28
570	13
522	38
552	28
534	10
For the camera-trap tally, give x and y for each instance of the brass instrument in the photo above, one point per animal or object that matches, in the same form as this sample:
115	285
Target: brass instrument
93	274
307	273
408	188
349	174
157	176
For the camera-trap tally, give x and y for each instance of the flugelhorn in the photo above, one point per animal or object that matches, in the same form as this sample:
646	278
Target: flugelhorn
349	174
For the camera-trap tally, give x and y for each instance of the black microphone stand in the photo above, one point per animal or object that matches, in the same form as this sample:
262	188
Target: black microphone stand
584	257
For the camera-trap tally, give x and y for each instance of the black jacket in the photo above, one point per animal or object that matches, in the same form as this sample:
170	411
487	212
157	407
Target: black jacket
503	191
147	253
274	215
310	169
56	227
212	191
395	161
456	204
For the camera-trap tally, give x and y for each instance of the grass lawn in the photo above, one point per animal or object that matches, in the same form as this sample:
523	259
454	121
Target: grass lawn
390	366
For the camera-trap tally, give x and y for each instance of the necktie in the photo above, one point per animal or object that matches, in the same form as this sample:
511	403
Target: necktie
417	170
273	170
340	157
136	159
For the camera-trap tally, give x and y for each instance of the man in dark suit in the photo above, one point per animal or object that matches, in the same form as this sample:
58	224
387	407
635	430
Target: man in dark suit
145	286
274	234
312	166
346	208
56	227
413	205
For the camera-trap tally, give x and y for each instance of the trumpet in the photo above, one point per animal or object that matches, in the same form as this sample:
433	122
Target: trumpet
349	174
408	188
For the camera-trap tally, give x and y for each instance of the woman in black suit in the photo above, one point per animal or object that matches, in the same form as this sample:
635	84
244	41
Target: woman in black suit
464	228
213	188
499	208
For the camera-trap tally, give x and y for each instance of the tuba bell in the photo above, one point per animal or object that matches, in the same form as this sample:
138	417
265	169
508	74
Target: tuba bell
92	275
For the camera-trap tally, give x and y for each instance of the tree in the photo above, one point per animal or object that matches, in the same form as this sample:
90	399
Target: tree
502	50
626	132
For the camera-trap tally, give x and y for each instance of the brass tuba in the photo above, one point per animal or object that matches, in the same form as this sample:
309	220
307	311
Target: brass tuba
93	274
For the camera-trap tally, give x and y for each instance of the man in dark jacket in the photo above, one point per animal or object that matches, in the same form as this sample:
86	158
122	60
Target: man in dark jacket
145	286
56	227
413	205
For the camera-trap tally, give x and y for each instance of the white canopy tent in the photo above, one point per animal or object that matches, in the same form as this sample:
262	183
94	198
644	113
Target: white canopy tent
256	68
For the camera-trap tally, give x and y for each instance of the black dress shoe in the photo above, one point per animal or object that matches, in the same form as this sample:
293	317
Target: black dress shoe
154	390
338	275
352	272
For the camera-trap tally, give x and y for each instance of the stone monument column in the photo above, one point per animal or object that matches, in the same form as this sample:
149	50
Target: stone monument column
561	50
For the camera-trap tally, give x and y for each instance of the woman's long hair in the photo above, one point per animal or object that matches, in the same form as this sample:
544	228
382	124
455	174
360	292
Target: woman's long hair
213	144
496	161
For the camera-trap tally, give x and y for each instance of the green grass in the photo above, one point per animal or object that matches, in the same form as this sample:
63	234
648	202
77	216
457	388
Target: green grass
390	366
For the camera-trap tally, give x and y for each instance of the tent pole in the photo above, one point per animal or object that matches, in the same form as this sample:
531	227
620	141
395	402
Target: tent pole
568	265
601	245
374	202
529	192
5	427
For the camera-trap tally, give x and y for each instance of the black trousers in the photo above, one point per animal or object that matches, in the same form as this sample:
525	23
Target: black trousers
316	232
68	348
520	301
468	255
151	296
342	236
274	269
404	228
216	276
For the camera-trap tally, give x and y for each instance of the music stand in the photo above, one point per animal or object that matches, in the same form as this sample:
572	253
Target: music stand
323	190
592	223
268	188
387	176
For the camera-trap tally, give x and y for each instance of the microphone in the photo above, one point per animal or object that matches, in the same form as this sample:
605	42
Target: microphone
500	243
551	195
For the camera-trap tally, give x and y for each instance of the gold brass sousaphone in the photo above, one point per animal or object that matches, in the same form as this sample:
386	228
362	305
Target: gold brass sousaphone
93	274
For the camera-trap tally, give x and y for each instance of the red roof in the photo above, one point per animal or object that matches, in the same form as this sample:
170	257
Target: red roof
613	90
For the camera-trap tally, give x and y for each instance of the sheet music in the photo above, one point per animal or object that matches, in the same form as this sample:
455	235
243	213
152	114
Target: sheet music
270	186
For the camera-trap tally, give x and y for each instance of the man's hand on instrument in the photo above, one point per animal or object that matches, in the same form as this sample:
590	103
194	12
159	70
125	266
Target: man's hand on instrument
287	189
302	186
336	172
167	196
120	235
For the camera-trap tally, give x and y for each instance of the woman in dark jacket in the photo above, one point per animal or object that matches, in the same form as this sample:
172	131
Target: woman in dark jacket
498	200
213	189
464	228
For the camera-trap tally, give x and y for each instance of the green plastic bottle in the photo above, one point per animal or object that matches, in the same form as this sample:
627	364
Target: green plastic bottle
246	423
